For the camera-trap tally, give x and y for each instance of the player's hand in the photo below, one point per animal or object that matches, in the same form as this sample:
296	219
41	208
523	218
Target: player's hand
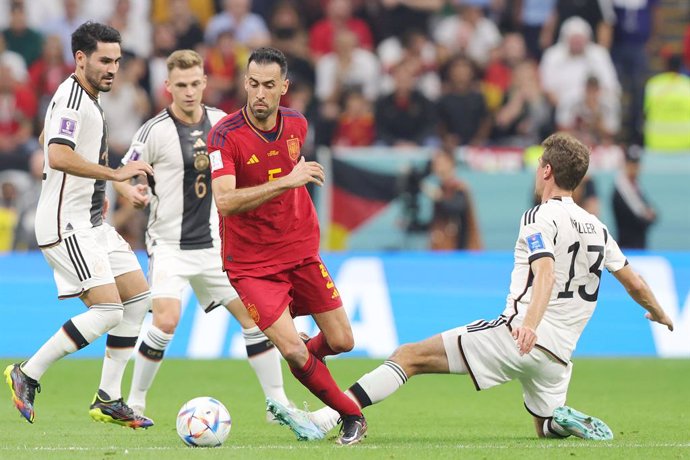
525	338
661	318
305	172
138	196
133	169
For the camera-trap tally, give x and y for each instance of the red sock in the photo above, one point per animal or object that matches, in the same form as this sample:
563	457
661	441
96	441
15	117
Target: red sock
318	347
316	377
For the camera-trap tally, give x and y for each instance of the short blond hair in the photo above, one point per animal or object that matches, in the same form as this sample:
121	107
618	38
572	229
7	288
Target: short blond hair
184	59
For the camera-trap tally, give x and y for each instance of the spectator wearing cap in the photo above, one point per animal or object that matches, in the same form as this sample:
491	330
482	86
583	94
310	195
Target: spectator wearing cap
633	213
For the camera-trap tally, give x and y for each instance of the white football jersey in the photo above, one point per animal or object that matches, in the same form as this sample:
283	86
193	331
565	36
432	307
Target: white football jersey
74	118
182	212
581	247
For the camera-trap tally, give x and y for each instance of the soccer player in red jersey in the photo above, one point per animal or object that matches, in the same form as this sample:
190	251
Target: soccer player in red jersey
270	233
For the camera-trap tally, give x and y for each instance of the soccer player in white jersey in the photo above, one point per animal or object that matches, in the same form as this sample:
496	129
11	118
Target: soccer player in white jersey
89	259
559	255
182	235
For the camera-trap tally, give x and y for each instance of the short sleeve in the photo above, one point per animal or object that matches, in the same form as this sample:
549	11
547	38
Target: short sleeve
537	234
64	126
139	150
222	155
614	258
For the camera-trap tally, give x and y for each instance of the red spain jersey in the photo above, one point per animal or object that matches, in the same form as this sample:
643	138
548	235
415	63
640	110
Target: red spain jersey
284	229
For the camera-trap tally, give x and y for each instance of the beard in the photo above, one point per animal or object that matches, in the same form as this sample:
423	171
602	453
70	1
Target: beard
264	114
95	80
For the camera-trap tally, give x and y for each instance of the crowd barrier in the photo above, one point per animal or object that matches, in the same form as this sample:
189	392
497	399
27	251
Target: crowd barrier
391	298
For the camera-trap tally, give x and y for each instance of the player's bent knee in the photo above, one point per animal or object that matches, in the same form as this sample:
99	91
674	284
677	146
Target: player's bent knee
167	324
295	355
110	314
342	344
408	358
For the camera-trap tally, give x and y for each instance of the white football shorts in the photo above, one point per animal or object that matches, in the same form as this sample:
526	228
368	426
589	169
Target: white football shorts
171	269
88	258
489	352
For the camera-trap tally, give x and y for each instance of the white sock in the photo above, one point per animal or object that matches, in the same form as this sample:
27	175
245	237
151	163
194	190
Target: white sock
553	430
378	384
326	418
264	358
120	344
75	334
146	364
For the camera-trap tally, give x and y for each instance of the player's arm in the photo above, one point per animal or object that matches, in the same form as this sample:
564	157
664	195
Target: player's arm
542	285
62	158
136	194
231	200
639	290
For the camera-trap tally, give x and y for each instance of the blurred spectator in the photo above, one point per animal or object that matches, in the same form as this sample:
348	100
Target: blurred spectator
525	115
565	67
249	28
223	64
157	70
453	224
597	13
348	66
163	10
17	111
469	32
355	126
686	49
593	119
532	16
339	17
405	118
396	17
46	74
414	45
135	30
13	60
632	211
25	235
126	106
504	59
19	37
289	35
635	35
8	215
188	31
463	116
667	109
63	26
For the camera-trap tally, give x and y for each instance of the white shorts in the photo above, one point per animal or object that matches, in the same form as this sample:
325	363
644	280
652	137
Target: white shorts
171	269
489	352
88	258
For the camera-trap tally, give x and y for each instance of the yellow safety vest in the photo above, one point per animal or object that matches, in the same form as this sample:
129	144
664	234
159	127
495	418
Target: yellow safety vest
667	110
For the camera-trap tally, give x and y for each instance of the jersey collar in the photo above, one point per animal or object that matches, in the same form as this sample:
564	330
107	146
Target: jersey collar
259	132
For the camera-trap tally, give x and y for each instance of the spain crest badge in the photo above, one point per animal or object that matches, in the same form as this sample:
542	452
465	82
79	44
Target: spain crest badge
293	148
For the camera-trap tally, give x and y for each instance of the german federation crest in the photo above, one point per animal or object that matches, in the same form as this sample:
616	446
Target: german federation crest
293	148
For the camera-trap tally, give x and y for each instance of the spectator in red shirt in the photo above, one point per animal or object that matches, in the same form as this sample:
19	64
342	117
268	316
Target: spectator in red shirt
355	126
46	73
338	16
17	111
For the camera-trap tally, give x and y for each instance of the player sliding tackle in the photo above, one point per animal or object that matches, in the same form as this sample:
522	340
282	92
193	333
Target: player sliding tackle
559	256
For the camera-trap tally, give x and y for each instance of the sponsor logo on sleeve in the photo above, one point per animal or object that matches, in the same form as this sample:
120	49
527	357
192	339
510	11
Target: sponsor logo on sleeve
216	160
535	242
67	126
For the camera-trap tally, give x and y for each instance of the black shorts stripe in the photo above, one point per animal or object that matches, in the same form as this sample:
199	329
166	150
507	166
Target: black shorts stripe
81	274
362	397
467	365
483	325
150	353
74	334
81	256
258	348
115	341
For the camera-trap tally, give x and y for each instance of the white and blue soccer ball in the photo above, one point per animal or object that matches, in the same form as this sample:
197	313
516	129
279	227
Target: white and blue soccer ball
203	422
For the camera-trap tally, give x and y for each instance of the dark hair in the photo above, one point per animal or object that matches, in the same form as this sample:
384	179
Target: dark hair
87	36
568	157
268	55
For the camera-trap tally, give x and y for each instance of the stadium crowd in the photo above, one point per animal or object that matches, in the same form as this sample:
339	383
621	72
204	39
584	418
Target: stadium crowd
403	73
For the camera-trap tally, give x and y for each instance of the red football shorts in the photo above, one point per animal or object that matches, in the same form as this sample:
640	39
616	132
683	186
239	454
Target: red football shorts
305	287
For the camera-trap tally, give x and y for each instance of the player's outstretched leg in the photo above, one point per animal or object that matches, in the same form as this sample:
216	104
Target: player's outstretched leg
23	390
582	425
297	420
353	430
105	409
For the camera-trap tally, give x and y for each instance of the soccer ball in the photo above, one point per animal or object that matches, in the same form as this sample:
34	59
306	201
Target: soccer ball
203	422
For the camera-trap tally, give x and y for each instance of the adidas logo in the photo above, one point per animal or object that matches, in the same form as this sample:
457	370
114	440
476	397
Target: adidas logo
199	144
253	160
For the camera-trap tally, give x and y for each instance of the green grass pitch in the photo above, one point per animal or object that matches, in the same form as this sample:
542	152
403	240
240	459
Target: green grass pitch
645	401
